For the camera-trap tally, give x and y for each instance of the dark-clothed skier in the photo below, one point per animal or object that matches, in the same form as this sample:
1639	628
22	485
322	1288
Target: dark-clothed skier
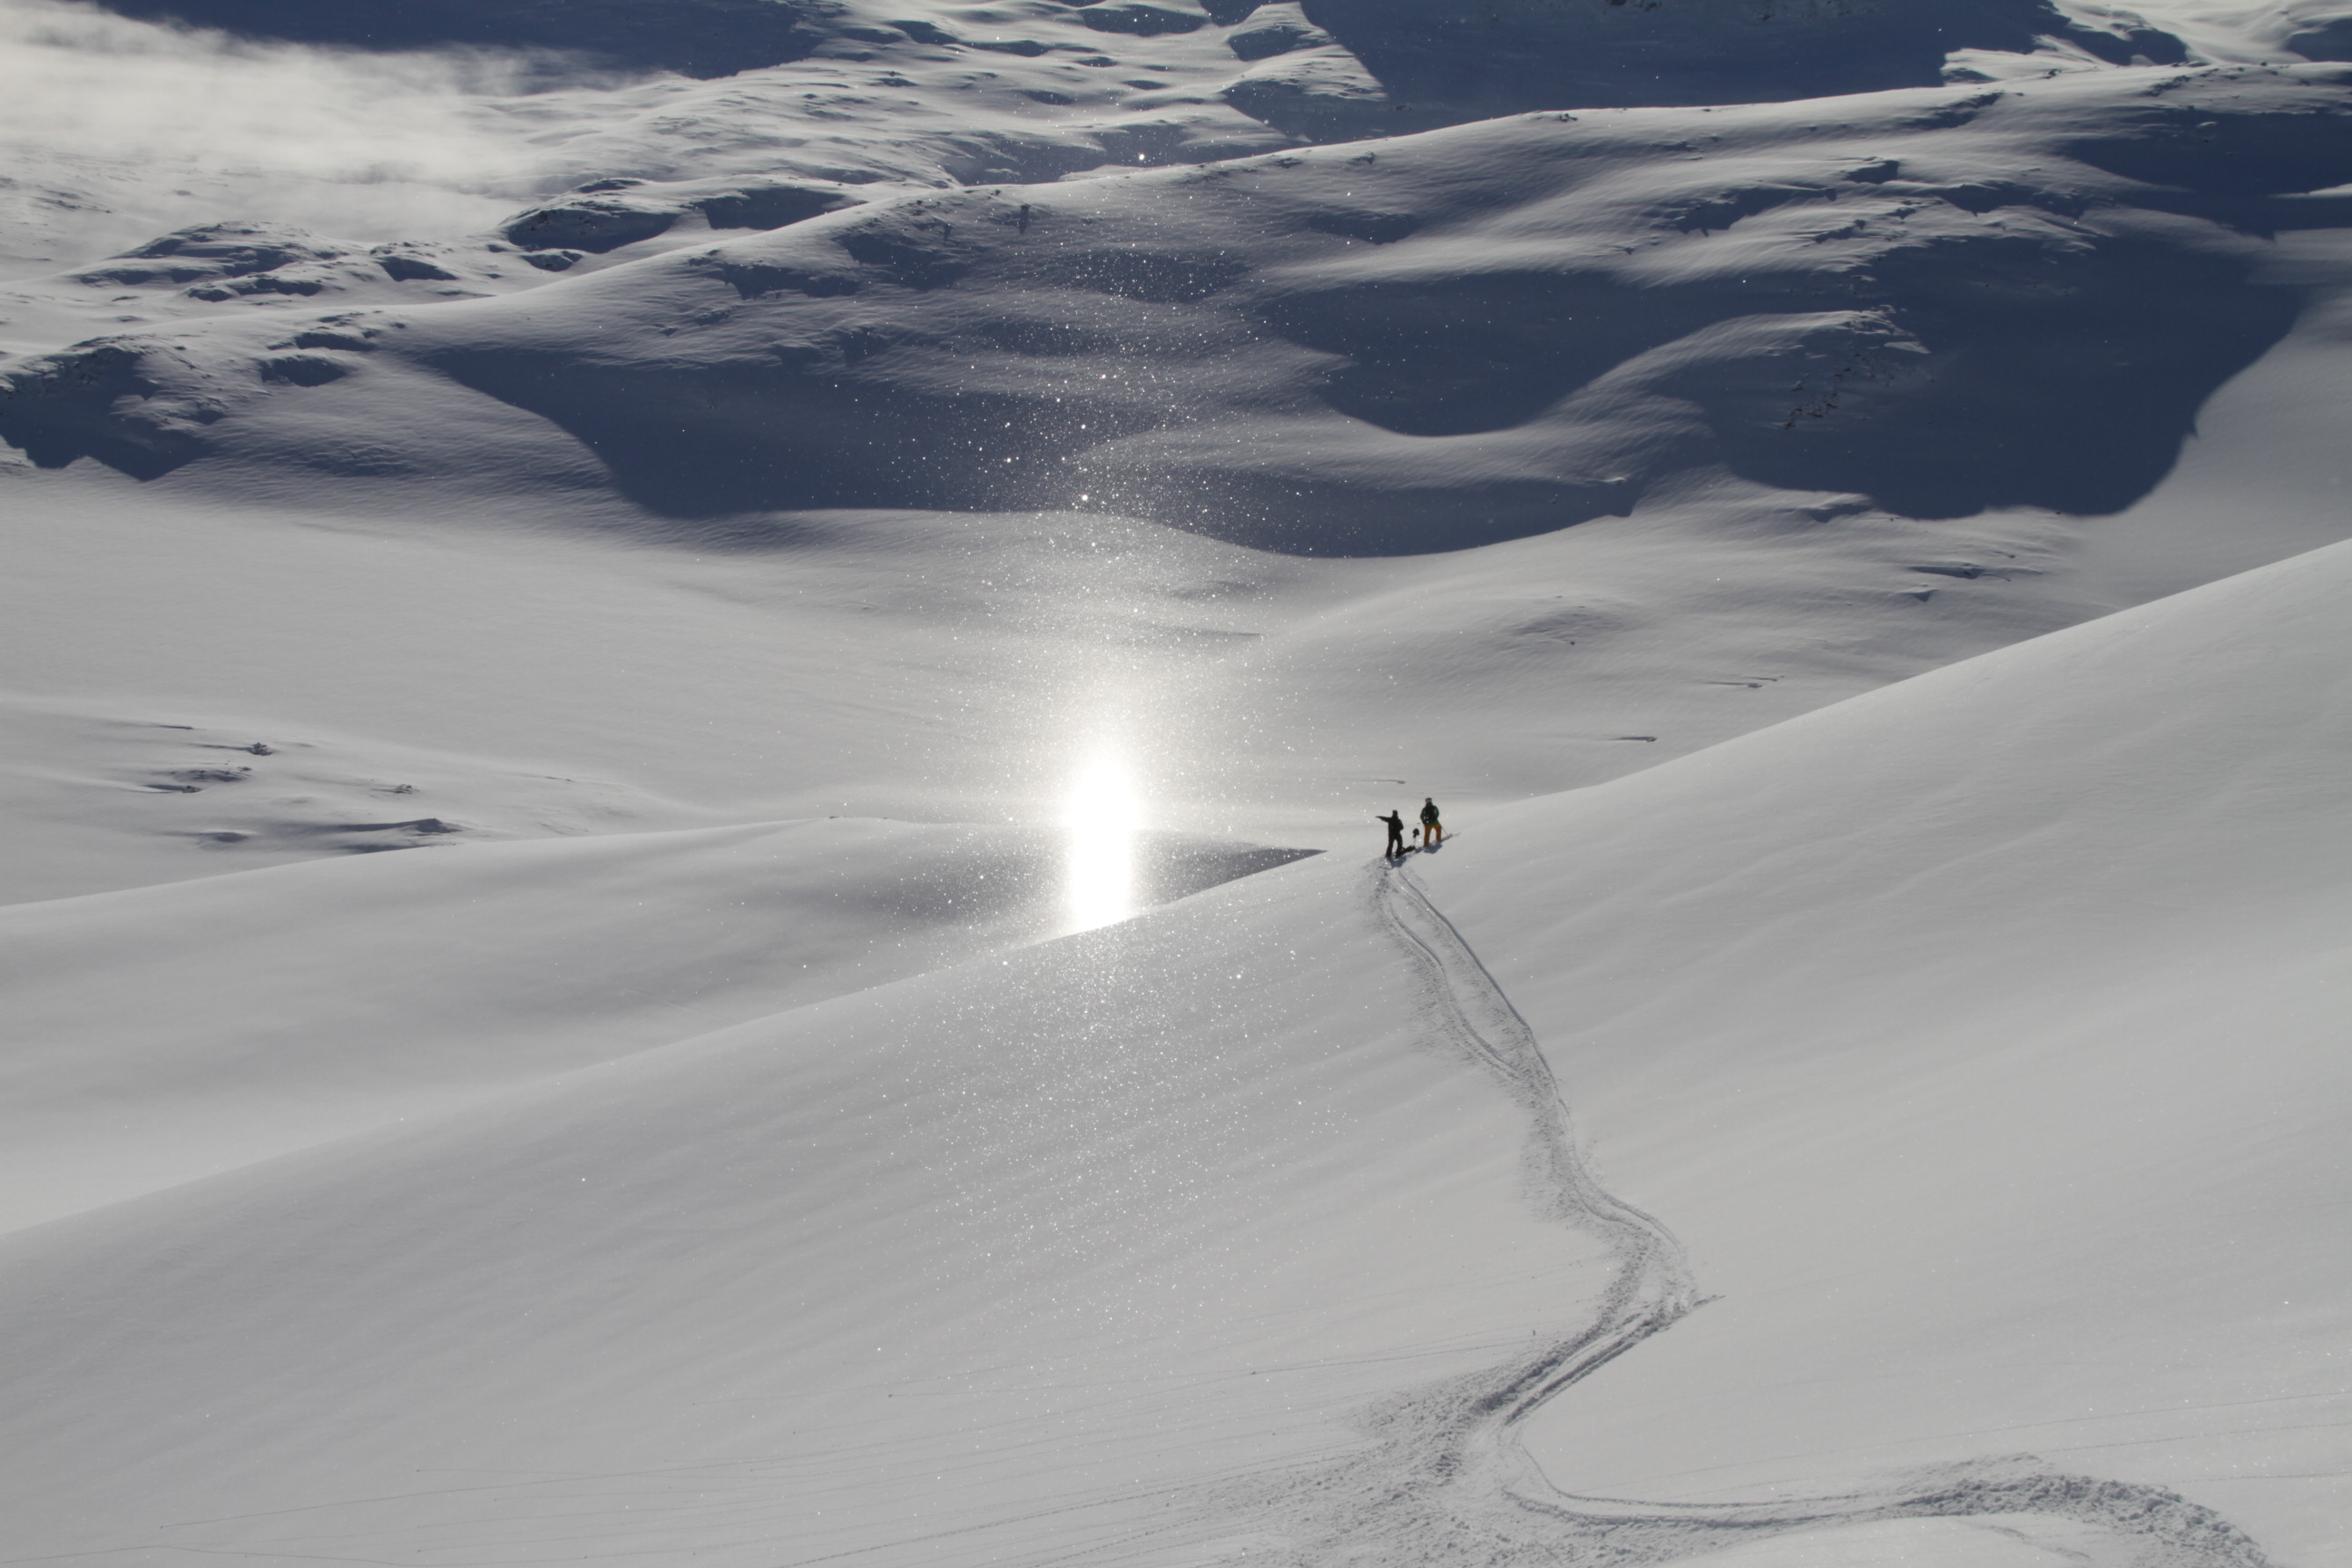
1431	833
1396	832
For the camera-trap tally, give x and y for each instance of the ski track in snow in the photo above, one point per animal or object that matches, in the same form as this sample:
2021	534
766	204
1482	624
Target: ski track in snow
1282	332
1447	1479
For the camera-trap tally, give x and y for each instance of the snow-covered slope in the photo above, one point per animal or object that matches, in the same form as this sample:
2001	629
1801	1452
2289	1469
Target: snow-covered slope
1981	1041
1942	301
546	666
1970	1038
776	552
161	1034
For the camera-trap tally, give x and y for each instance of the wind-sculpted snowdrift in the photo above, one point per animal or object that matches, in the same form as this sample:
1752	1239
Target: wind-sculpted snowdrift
1252	1229
1943	300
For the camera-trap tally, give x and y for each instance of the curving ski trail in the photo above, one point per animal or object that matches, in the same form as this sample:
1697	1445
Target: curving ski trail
1653	1286
1447	1481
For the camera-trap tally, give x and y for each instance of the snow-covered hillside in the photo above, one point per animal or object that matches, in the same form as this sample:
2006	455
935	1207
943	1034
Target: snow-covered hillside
1940	300
693	700
1248	1230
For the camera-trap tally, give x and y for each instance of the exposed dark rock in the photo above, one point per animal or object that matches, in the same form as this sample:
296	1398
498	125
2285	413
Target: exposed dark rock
1275	35
258	283
404	268
304	369
771	207
597	224
211	252
350	342
87	402
924	32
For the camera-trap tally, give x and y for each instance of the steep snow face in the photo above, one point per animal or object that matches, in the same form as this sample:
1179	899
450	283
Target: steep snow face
1941	300
1536	54
1995	1081
2217	514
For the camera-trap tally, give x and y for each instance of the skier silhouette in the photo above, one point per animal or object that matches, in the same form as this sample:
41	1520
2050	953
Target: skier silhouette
1396	832
1432	834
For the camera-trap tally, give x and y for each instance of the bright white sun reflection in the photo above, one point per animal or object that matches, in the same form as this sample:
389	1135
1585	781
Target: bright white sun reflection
1100	817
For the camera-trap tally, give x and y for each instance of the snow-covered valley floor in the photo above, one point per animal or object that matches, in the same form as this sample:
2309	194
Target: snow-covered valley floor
694	699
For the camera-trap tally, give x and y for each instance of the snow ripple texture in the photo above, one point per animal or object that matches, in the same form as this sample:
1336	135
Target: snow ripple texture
1447	1481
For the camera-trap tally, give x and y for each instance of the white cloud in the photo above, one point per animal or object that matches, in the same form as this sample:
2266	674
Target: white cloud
113	130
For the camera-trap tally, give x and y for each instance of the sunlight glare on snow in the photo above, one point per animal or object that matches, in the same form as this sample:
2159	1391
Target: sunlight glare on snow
1101	815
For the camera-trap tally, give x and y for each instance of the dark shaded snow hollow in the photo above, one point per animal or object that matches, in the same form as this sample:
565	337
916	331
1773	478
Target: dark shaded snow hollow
693	698
1942	301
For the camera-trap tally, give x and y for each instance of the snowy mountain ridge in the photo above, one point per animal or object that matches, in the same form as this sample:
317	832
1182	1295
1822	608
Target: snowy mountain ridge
1940	302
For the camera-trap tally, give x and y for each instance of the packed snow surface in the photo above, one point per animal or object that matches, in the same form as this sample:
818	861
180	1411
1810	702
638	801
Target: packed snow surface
694	701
